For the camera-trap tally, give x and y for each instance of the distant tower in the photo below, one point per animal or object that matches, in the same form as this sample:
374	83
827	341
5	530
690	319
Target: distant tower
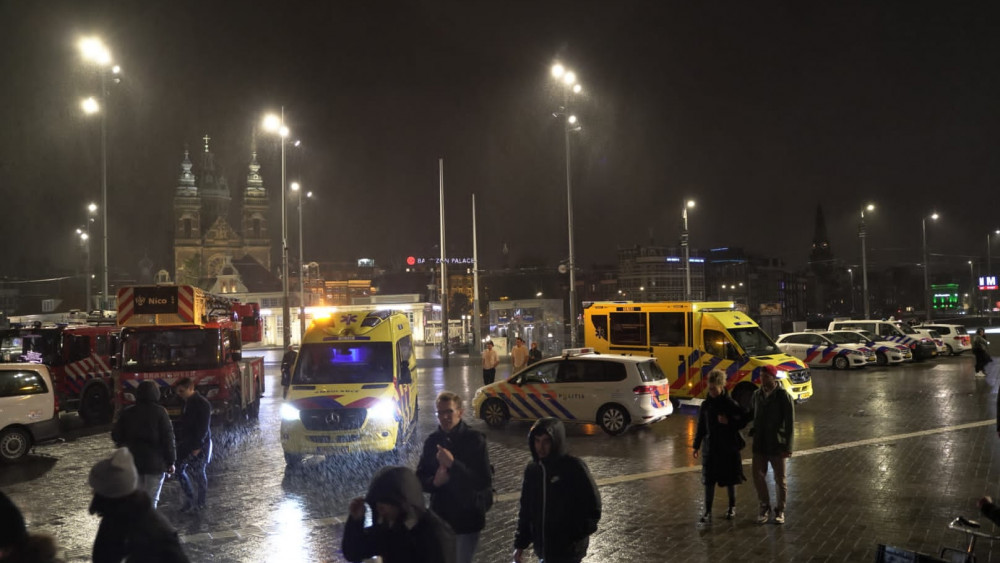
820	256
255	208
214	190
187	224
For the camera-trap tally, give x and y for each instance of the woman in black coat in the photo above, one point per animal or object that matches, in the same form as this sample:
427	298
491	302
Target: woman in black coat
719	442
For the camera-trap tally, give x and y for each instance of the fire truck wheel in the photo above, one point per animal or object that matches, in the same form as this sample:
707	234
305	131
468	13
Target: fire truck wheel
95	404
14	444
234	412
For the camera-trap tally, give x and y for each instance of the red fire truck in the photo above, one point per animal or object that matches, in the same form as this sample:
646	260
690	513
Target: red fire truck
78	358
175	331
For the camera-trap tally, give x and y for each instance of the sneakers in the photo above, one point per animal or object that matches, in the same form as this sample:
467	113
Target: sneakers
731	513
779	517
764	514
706	518
980	374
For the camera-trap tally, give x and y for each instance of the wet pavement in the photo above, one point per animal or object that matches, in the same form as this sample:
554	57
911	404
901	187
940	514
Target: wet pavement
883	455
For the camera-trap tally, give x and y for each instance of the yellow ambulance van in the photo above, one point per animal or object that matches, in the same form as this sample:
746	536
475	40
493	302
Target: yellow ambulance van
690	339
353	387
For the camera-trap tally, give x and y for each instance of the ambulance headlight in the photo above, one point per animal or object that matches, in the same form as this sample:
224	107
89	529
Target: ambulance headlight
781	374
382	410
288	412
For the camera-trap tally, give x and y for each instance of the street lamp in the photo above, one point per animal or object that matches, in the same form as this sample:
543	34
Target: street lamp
864	260
276	124
302	304
972	286
687	255
851	272
927	292
94	51
568	79
85	236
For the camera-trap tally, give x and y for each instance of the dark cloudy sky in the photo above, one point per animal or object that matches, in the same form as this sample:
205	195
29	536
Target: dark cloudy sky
758	110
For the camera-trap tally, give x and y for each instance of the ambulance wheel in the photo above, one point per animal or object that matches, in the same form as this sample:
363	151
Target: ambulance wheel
841	362
95	404
14	444
613	419
293	460
743	394
494	412
881	359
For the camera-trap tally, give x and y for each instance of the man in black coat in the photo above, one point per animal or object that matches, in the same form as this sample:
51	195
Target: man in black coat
402	530
145	429
560	503
455	469
194	444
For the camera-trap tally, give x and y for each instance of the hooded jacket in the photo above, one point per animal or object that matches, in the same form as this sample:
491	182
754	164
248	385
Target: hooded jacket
773	422
560	503
145	429
418	536
132	531
194	427
458	501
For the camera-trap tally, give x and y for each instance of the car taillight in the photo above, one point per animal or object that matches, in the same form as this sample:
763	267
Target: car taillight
644	389
913	345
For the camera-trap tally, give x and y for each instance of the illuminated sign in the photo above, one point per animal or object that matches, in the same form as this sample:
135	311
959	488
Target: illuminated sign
987	282
413	260
156	300
410	260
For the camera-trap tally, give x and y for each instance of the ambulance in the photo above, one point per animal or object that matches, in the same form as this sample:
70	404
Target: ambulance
353	387
690	339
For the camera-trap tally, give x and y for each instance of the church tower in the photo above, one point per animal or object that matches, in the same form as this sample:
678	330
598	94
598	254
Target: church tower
820	256
187	226
214	190
255	209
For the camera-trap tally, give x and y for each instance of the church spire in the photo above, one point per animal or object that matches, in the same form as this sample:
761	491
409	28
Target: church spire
185	183
255	184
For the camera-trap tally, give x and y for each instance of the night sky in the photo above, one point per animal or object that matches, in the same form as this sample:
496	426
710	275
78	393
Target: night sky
760	111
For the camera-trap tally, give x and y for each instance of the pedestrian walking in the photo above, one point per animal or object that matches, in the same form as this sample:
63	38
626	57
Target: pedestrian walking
718	443
145	429
194	445
402	530
519	355
534	354
490	363
560	503
131	530
16	544
981	351
773	429
455	469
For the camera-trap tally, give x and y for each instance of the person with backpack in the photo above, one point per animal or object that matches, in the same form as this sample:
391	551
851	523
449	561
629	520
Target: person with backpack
455	469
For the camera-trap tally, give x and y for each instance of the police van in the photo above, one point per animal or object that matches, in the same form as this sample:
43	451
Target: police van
353	387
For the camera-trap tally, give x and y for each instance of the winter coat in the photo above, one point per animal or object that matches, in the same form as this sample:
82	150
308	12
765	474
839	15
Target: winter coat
145	429
132	531
980	343
560	503
420	537
460	501
719	443
194	426
773	422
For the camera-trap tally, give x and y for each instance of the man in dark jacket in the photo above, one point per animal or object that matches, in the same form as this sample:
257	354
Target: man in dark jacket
560	503
404	531
455	469
773	428
194	444
145	429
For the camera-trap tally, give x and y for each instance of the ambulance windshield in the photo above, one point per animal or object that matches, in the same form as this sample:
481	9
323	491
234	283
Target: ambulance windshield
754	341
344	362
167	350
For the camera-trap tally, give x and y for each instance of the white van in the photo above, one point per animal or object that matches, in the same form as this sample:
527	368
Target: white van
29	413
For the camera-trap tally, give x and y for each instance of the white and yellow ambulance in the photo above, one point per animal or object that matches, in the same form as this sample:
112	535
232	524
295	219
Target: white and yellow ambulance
353	387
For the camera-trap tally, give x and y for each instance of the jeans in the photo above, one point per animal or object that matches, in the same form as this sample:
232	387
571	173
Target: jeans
465	547
193	469
759	468
151	483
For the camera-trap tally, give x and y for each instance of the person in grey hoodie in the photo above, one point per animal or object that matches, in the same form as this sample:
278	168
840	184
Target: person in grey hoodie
403	530
560	503
145	429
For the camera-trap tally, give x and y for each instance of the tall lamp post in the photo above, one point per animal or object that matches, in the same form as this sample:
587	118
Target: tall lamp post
570	85
864	260
276	124
989	271
851	272
302	304
94	51
972	287
927	290
687	252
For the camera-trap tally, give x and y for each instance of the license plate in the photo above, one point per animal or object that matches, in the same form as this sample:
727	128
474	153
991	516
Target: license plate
805	395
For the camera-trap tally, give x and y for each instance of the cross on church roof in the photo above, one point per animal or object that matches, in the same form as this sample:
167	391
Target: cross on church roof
206	139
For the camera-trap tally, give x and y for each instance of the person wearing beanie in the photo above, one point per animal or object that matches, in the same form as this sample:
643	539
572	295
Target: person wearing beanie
145	429
16	544
404	531
131	530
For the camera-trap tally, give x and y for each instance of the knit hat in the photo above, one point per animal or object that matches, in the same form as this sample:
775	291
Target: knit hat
12	529
115	476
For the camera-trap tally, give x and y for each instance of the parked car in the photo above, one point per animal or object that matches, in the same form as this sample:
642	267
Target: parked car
29	412
956	337
920	345
886	353
823	349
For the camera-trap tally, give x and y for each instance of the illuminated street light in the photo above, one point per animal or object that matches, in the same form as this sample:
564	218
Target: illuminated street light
93	50
302	304
864	260
276	124
90	106
927	292
687	252
851	272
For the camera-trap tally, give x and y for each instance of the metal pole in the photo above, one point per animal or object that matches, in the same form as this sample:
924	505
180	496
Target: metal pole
302	293
851	272
864	266
687	257
476	328
569	220
87	272
927	293
445	328
285	313
104	185
972	287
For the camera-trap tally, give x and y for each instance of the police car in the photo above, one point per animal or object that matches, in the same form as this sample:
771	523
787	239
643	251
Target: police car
825	350
886	353
614	392
955	337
